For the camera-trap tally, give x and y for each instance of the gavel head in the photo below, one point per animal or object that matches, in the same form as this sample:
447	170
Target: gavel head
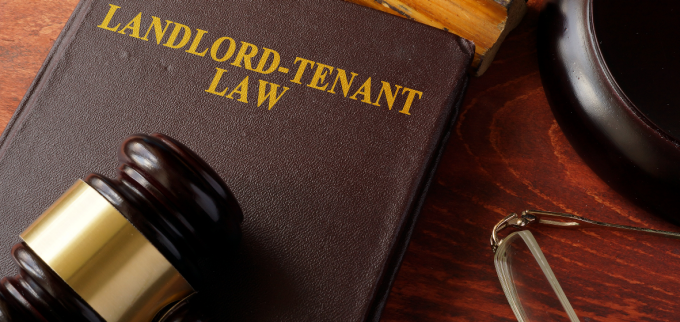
132	245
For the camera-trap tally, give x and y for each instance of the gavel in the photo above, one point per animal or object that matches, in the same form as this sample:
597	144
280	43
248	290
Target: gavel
134	248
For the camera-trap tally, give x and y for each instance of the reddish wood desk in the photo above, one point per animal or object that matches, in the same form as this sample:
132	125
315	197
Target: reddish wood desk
506	154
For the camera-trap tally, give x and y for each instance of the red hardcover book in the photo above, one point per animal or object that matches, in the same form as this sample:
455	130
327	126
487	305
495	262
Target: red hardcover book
326	120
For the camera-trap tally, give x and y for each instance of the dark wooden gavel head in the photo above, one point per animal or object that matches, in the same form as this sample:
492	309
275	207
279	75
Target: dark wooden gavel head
125	249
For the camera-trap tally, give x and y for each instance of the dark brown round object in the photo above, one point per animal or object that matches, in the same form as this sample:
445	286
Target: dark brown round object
177	201
610	72
171	196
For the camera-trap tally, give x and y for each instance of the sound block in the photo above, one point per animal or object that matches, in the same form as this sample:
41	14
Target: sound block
611	74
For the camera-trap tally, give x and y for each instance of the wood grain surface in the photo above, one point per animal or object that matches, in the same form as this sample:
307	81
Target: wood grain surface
506	154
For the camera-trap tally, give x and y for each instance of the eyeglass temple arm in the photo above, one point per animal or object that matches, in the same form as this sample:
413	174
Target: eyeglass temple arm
562	220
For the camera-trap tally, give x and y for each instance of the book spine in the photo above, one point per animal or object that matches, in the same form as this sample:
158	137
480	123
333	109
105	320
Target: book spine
400	245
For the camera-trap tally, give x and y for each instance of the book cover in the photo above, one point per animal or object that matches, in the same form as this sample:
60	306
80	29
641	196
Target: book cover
325	119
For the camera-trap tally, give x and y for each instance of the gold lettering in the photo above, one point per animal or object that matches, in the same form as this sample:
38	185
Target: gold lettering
216	46
107	19
343	82
364	90
245	57
195	43
409	99
275	62
320	76
242	90
301	69
216	80
272	96
175	33
157	28
387	89
134	25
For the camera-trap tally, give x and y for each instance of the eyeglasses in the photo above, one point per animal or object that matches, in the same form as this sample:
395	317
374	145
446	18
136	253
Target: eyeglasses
532	290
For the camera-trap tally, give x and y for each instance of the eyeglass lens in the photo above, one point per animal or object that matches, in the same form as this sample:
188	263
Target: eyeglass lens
527	284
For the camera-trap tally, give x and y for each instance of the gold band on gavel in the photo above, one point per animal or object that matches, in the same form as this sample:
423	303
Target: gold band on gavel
105	259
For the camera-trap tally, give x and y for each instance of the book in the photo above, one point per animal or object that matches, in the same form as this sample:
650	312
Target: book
485	22
326	120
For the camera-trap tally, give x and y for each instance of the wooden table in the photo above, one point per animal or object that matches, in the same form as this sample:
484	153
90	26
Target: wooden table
506	154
